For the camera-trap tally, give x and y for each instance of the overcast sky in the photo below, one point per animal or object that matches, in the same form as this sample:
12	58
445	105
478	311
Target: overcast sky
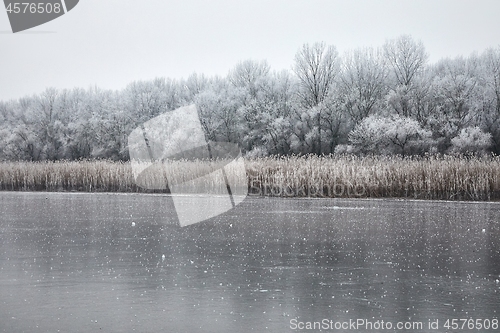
110	43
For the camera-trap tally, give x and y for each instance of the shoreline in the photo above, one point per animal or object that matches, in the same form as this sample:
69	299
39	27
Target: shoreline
261	197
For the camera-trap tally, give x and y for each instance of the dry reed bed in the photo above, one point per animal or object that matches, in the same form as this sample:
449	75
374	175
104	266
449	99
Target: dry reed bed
86	176
432	177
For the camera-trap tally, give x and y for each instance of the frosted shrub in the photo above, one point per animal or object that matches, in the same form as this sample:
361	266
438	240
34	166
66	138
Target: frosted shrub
369	136
389	135
257	152
471	140
344	149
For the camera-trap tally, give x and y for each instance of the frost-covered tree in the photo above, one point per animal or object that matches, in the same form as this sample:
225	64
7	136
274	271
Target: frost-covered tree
111	123
490	115
418	102
247	75
407	58
335	123
208	102
218	109
7	122
39	133
457	97
266	114
192	86
79	132
147	99
253	83
362	82
316	67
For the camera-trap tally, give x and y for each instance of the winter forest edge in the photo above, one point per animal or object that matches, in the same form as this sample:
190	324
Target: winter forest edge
387	100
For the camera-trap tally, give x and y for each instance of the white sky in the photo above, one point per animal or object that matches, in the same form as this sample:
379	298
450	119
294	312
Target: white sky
110	43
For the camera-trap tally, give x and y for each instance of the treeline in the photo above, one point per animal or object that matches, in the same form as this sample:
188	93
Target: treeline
386	100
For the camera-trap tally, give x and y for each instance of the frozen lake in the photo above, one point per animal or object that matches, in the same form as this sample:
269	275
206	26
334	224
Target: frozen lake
78	262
